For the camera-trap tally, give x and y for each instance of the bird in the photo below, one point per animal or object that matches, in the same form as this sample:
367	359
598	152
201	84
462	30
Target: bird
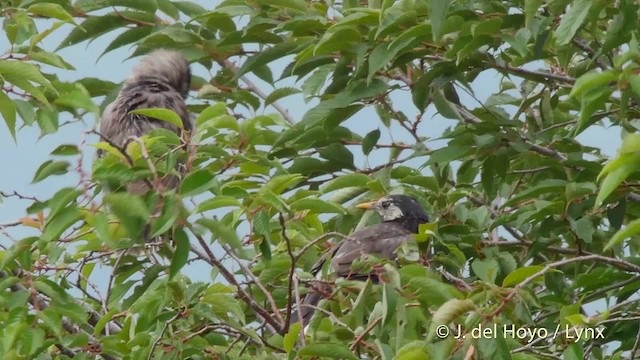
401	216
161	79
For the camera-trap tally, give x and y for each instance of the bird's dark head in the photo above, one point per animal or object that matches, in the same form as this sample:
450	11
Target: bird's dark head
399	208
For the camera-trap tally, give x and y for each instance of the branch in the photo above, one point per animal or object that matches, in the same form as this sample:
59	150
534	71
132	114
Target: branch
210	258
250	274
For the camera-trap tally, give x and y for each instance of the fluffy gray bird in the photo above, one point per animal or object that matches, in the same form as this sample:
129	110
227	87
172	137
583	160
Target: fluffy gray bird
401	215
161	80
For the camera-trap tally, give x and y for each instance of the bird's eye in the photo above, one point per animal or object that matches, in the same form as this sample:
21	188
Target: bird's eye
385	204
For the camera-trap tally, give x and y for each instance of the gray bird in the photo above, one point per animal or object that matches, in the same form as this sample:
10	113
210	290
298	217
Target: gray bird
401	215
161	80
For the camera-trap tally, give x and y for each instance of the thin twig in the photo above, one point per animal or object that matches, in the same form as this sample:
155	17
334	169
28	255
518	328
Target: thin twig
210	258
256	281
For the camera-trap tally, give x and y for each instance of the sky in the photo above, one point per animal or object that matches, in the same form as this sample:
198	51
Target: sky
20	159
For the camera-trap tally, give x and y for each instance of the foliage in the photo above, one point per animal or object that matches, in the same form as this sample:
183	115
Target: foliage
531	227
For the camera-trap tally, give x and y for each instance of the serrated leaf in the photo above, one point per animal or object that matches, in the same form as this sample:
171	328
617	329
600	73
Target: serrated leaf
370	141
130	210
632	229
197	182
92	5
317	206
18	72
415	350
280	183
49	168
66	150
438	11
181	254
572	21
615	178
447	313
51	11
61	222
280	93
222	305
8	112
327	350
92	27
338	154
291	337
345	181
267	56
217	202
519	275
161	114
128	37
224	233
486	269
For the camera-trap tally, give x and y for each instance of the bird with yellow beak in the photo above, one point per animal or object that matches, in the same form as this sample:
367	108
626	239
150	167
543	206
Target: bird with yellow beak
401	215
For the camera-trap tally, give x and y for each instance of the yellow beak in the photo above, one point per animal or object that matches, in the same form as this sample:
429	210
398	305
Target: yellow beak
367	205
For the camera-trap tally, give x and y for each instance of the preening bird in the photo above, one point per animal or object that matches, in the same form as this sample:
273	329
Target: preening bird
161	80
401	215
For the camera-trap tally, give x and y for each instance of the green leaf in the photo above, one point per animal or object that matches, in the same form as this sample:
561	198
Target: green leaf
49	168
128	37
280	183
438	11
130	210
531	8
197	182
432	291
92	27
280	93
338	154
217	202
444	106
616	177
519	275
262	224
328	350
448	312
572	21
181	255
161	114
19	72
291	337
486	269
632	229
265	57
224	233
92	5
50	10
370	140
60	222
488	176
223	304
345	181
8	112
449	153
317	206
573	352
415	350
66	150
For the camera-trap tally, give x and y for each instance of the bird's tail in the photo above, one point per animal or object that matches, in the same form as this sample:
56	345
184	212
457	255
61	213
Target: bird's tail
307	308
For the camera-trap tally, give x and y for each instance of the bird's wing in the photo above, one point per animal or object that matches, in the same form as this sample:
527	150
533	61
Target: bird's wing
380	240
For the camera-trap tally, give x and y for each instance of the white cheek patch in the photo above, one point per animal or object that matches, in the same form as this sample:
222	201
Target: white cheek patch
391	213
